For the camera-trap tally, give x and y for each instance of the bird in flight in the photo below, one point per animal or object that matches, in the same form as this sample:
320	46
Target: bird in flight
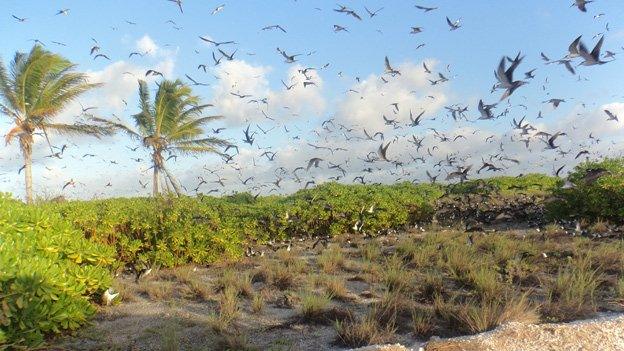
425	9
453	25
288	58
20	19
372	13
275	26
68	183
179	3
218	9
581	4
612	116
216	43
389	69
348	11
505	76
593	57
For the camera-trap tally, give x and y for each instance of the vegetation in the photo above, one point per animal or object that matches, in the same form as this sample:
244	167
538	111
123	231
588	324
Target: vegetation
596	192
173	122
36	88
171	232
49	274
474	284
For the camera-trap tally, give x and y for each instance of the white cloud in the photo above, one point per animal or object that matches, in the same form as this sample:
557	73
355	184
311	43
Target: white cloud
367	101
146	45
238	77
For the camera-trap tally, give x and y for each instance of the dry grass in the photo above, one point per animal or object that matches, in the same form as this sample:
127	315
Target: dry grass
157	290
458	261
197	290
485	282
370	252
430	285
474	316
364	331
572	293
241	282
127	291
599	227
276	274
183	274
609	257
394	275
233	341
423	323
554	230
334	286
331	260
257	303
169	338
619	288
229	310
502	277
392	308
292	259
313	307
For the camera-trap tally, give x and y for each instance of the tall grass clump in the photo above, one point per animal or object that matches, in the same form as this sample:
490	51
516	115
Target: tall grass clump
572	293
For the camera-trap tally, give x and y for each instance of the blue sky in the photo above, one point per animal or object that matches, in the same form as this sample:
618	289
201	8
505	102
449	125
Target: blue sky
490	29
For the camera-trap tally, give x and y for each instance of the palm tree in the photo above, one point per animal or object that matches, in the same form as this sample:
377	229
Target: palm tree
174	123
36	89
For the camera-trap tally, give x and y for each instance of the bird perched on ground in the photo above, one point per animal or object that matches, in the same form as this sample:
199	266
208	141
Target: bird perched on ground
108	296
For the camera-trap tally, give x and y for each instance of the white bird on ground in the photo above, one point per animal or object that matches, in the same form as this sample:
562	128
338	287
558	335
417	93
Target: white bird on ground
109	295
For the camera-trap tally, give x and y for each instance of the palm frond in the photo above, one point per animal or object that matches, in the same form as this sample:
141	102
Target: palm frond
144	120
6	91
205	145
78	129
12	134
118	126
192	128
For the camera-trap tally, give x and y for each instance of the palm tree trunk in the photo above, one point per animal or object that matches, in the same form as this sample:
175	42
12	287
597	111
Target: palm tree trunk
173	181
26	146
156	159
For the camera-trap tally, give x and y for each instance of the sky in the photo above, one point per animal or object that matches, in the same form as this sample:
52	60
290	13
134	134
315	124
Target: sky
350	89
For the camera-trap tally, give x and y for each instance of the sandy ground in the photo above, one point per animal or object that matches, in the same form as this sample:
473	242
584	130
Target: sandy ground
605	333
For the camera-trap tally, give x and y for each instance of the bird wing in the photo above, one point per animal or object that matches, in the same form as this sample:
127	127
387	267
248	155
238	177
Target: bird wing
387	63
596	51
574	46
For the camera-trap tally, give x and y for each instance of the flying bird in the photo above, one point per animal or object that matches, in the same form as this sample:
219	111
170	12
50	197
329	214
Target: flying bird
612	116
389	69
581	4
218	9
453	25
179	3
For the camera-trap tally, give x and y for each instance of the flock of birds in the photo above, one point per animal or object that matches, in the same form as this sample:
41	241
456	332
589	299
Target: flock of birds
331	143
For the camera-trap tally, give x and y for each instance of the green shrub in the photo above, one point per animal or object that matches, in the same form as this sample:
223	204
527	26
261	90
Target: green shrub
602	198
48	274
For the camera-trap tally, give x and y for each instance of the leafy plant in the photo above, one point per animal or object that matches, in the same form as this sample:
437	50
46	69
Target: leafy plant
597	191
49	274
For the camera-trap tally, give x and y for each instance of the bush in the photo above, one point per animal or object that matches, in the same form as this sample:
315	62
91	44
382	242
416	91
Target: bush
592	199
49	274
175	231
